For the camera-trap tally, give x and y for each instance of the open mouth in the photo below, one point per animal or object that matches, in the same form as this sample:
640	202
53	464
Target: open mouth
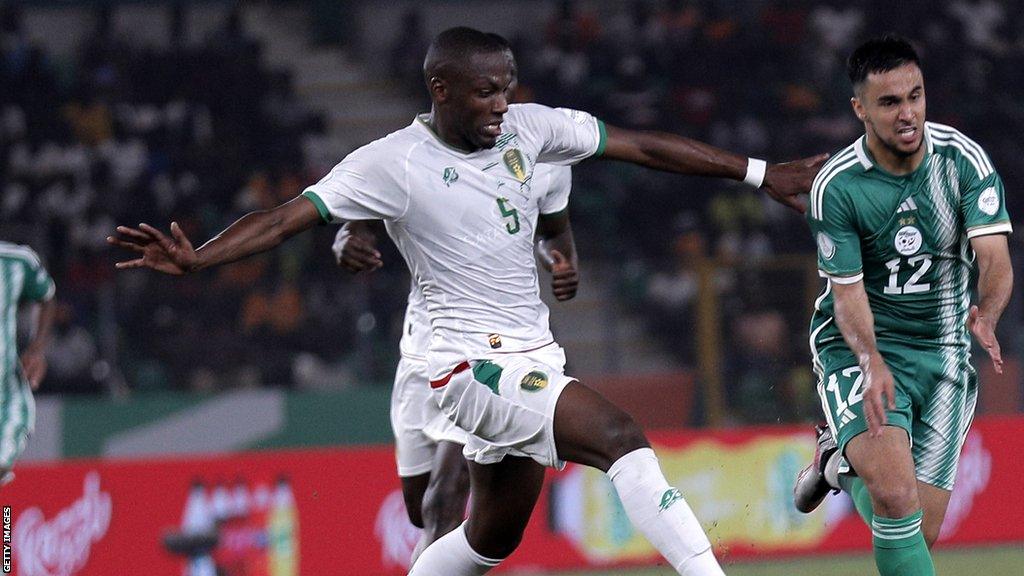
907	134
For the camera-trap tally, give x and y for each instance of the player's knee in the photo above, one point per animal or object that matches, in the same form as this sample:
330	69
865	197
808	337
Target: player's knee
894	500
620	435
444	506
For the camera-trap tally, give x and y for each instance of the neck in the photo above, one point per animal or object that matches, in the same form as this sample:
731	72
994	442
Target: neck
444	131
896	164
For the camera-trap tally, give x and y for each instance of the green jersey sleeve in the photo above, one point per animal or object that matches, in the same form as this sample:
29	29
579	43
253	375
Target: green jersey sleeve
39	286
983	204
836	234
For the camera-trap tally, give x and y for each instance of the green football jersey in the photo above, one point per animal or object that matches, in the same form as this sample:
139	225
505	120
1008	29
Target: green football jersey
22	278
906	236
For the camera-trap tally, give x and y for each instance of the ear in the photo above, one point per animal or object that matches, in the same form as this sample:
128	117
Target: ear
438	89
858	109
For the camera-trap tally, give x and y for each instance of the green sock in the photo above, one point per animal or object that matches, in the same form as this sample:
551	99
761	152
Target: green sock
900	549
858	491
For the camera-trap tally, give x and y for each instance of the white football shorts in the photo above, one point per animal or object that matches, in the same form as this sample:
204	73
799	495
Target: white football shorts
507	404
416	419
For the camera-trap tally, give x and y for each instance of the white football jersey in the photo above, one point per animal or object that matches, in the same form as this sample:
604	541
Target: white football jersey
555	183
465	222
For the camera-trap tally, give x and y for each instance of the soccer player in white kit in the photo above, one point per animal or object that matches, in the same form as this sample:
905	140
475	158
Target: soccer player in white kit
454	188
428	446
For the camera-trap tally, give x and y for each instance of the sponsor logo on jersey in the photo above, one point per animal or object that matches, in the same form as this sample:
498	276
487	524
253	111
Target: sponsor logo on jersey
670	497
534	381
514	162
988	201
826	246
494	340
908	240
450	176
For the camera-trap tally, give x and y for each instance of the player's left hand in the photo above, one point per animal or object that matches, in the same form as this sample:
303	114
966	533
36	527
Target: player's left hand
985	331
172	254
33	364
565	279
785	182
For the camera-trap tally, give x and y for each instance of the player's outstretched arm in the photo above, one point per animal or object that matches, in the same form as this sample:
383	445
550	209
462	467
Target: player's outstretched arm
33	359
251	234
995	283
355	246
857	324
557	250
672	153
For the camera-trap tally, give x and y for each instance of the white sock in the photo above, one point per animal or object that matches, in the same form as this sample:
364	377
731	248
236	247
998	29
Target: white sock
450	555
662	515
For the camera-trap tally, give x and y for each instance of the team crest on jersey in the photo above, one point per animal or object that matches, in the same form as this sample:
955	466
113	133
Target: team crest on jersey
908	240
494	340
988	201
450	176
826	246
515	163
534	381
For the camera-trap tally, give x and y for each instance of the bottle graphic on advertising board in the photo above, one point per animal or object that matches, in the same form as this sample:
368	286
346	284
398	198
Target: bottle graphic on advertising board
283	531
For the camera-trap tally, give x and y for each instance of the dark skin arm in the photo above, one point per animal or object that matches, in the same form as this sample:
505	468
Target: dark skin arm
671	153
251	234
558	253
33	359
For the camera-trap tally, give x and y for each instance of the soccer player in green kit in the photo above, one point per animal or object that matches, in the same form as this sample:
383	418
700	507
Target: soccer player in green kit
900	217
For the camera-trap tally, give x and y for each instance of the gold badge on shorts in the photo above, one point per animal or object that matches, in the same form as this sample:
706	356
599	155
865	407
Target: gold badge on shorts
534	381
494	340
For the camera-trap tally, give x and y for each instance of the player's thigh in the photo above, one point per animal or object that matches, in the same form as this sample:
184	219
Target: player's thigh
592	431
504	495
414	489
412	409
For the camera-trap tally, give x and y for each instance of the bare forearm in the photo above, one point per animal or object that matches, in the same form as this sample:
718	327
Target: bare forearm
257	232
42	327
563	242
672	153
855	320
995	284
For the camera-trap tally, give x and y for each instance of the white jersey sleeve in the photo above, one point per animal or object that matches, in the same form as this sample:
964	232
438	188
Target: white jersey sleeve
366	185
565	136
558	184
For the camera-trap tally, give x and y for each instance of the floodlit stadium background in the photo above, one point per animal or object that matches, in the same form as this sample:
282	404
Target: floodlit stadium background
692	312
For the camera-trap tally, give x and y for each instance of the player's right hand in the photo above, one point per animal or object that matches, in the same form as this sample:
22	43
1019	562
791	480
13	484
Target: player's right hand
879	393
357	253
168	254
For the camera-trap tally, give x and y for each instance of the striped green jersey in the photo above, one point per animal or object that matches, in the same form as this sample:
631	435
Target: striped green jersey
906	236
22	278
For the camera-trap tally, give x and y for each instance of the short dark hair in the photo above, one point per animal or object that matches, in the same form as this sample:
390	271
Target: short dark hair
454	44
879	55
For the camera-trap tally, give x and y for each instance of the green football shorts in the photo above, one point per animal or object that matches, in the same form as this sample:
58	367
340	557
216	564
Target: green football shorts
936	394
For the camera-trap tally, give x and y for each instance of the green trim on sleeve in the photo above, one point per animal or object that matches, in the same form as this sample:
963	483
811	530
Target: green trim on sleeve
602	138
325	214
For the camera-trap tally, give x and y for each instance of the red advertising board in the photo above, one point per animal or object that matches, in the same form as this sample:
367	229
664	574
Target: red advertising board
339	512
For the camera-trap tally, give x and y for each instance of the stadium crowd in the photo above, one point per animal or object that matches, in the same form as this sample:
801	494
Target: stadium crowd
202	133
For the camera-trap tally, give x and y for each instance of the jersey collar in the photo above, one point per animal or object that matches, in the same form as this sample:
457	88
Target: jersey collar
421	121
860	148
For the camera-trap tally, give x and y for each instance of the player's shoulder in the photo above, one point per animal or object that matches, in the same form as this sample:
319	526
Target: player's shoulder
951	143
20	252
835	177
